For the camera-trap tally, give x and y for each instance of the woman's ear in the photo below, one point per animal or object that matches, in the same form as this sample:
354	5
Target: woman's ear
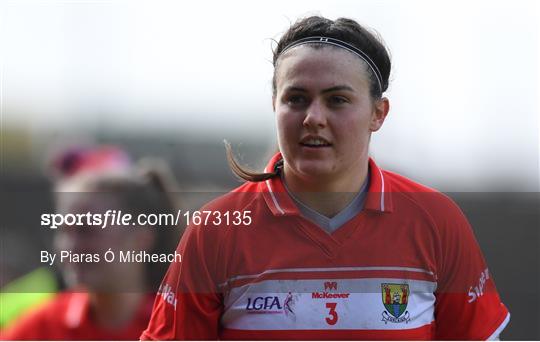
380	111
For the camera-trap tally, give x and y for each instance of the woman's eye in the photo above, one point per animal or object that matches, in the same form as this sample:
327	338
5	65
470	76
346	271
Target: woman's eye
338	100
296	100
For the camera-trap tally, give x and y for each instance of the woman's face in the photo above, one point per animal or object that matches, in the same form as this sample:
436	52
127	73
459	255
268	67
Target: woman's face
324	111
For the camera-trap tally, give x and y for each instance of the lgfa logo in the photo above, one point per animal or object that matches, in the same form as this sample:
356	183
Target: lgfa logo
270	304
266	304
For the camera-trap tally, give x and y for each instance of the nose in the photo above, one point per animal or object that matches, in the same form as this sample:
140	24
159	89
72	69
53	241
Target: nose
315	115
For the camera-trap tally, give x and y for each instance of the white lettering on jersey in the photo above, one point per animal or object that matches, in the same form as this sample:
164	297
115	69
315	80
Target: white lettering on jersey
167	294
477	291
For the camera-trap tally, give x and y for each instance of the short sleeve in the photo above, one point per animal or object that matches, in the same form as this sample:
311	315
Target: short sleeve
187	306
467	305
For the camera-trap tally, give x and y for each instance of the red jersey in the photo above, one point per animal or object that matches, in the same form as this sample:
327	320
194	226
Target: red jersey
67	317
406	267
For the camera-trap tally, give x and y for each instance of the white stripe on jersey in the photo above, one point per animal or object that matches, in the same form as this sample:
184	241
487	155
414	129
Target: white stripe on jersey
303	304
327	269
274	199
497	332
382	190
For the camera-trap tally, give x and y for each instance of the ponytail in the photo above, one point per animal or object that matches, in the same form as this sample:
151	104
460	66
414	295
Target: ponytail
242	172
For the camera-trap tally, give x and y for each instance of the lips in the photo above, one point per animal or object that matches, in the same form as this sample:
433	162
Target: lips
315	141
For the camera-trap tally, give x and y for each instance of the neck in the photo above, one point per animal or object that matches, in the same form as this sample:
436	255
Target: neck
113	310
327	195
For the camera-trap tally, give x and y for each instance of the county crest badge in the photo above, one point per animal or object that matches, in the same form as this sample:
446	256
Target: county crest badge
395	298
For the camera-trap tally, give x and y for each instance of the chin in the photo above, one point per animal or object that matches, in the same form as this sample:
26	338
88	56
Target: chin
314	169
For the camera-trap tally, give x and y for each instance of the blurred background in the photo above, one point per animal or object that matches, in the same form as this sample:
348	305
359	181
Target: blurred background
172	79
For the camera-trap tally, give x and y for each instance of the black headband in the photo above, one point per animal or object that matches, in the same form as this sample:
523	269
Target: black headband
343	45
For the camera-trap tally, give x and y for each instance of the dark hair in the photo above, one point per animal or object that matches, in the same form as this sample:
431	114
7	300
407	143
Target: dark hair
344	29
244	173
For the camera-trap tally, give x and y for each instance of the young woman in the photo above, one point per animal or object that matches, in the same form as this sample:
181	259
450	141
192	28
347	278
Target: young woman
103	301
327	245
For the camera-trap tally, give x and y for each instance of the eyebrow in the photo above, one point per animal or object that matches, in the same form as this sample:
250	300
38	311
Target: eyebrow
327	90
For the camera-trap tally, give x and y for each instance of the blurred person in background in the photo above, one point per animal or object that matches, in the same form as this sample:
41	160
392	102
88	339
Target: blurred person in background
103	301
329	245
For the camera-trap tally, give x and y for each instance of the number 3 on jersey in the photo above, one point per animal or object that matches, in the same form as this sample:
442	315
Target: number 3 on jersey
332	314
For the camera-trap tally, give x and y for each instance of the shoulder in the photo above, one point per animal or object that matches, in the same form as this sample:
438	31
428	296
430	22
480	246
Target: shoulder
440	208
213	227
437	215
221	217
402	183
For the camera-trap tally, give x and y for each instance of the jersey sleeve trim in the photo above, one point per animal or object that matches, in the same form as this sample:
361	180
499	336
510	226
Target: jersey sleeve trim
500	328
147	337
